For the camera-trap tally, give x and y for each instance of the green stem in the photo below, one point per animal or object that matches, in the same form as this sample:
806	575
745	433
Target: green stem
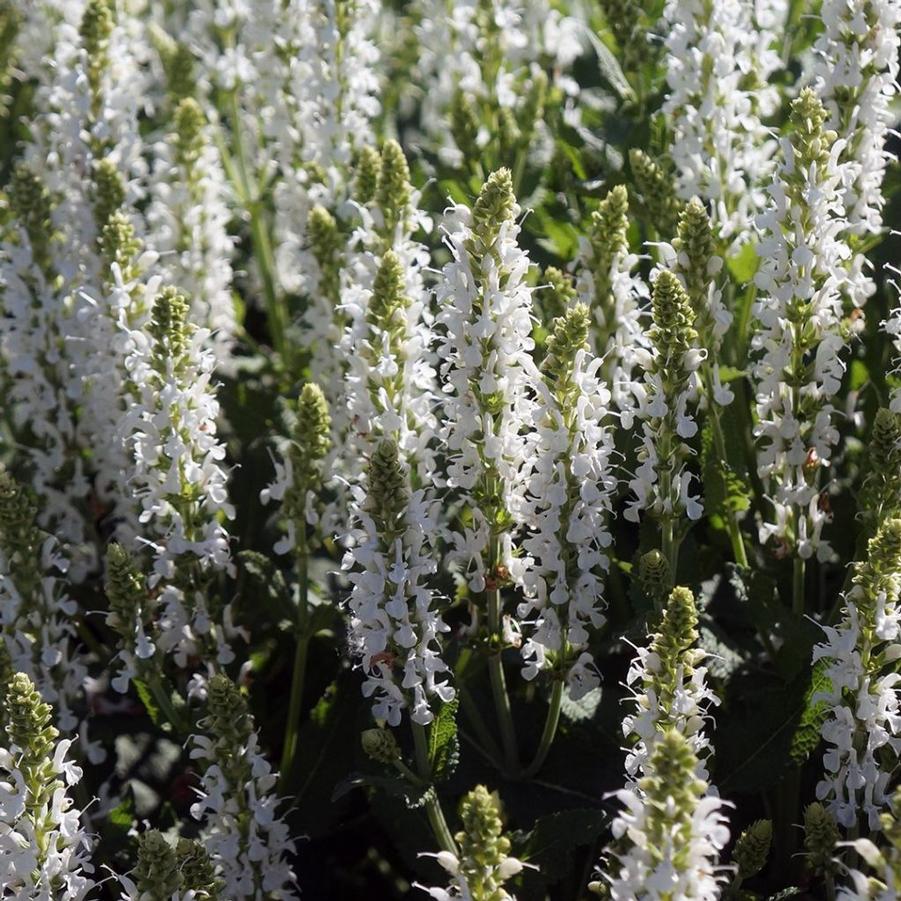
300	662
550	730
164	699
471	711
496	667
798	573
432	805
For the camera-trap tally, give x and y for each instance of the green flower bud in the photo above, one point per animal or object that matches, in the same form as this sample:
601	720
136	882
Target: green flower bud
694	243
570	335
29	722
672	333
369	165
197	871
380	745
125	588
820	837
156	874
326	246
811	141
678	630
389	298
483	846
393	190
495	206
880	572
880	495
189	125
169	325
607	237
464	125
654	576
228	716
508	132
97	24
108	192
753	848
119	244
18	512
557	295
625	21
312	436
30	201
178	66
387	491
655	186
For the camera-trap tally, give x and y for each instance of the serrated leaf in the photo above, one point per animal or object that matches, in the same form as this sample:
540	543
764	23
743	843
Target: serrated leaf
807	735
609	66
268	579
149	702
743	264
444	745
791	892
553	839
121	818
413	796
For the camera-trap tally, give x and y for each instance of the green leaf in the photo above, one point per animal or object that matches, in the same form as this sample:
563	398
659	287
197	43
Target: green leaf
121	818
743	265
609	66
444	746
726	493
149	702
807	735
583	709
413	796
553	839
266	580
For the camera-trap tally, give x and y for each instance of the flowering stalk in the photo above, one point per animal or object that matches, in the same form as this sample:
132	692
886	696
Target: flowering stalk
661	483
800	316
614	294
484	308
672	830
245	838
669	687
698	265
884	883
567	507
863	724
482	865
47	848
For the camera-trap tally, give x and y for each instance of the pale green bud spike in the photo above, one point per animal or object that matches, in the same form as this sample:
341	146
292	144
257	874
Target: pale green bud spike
654	576
623	18
657	191
387	490
393	191
881	571
495	206
32	205
753	848
312	435
820	837
558	295
197	872
881	492
678	629
119	244
125	586
673	332
189	125
369	165
607	236
380	745
228	716
97	24
483	845
178	64
18	512
811	141
570	335
325	245
29	721
169	325
508	131
108	192
464	125
533	106
388	292
156	874
695	245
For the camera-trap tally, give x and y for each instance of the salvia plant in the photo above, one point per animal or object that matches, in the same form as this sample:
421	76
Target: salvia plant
451	450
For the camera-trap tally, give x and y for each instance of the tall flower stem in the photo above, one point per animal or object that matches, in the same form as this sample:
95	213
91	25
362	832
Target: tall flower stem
798	580
552	721
432	805
496	664
300	660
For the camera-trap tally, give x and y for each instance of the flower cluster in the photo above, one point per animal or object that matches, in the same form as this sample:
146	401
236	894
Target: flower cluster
394	626
44	850
245	838
799	315
864	721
